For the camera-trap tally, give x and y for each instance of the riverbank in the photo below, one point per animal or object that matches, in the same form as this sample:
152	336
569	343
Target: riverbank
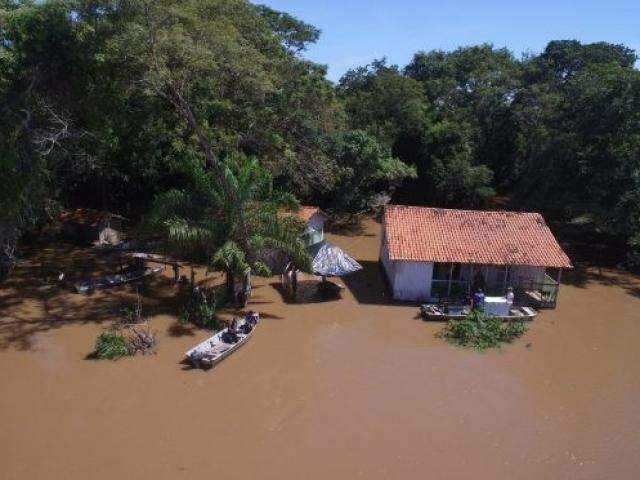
349	387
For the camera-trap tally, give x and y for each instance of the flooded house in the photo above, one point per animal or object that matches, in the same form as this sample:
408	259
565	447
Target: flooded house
313	234
432	254
314	219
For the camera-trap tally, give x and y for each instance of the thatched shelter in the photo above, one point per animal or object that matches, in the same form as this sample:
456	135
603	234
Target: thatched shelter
92	226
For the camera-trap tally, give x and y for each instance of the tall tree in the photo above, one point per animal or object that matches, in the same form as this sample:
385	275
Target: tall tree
232	223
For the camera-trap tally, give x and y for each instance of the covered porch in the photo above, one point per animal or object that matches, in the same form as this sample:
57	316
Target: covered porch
532	285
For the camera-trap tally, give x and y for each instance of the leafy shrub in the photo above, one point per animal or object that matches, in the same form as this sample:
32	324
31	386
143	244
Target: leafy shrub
513	329
482	331
200	309
111	345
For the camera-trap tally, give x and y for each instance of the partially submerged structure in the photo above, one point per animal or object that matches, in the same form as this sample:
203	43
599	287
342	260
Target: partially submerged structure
313	233
92	226
327	259
431	254
314	219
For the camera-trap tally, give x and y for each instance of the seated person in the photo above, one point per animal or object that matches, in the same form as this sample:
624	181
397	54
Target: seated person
246	328
231	335
251	318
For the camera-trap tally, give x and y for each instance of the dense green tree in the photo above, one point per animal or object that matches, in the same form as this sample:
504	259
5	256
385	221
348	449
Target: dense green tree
110	103
368	172
294	34
472	89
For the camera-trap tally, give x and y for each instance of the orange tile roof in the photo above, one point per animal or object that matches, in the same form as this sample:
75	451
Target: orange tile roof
468	236
306	212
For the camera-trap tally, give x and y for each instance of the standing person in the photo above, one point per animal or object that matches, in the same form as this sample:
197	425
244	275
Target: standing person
510	296
478	300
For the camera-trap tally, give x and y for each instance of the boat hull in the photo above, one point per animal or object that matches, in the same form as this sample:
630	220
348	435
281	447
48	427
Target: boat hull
214	349
436	313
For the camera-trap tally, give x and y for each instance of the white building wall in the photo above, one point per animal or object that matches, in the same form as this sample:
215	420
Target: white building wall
314	232
316	222
387	264
412	280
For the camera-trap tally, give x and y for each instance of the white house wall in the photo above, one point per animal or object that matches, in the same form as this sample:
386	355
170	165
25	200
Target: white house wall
412	280
387	264
316	222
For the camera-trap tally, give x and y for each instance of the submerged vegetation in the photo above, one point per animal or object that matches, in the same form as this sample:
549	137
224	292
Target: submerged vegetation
132	335
116	343
481	331
200	308
202	117
111	345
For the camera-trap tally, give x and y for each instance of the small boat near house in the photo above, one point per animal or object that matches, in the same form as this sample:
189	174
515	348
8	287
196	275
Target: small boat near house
431	311
218	347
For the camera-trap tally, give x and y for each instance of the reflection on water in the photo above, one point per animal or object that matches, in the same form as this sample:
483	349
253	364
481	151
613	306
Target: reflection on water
340	387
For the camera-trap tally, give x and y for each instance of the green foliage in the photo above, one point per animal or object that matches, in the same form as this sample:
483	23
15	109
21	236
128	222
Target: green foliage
200	309
367	171
482	331
121	105
202	315
231	223
293	33
111	345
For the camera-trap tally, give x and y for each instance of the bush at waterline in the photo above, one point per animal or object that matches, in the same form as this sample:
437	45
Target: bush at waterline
482	331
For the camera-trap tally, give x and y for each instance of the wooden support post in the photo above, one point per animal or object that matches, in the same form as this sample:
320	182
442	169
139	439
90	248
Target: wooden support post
294	282
506	274
450	278
558	279
176	273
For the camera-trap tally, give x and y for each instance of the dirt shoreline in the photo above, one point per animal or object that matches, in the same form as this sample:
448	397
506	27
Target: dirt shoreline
354	387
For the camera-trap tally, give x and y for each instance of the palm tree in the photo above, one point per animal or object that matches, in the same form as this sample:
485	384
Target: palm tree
231	220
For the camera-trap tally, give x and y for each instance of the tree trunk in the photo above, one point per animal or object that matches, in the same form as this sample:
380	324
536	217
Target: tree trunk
230	286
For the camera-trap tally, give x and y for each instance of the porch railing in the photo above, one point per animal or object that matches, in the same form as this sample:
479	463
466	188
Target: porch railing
538	294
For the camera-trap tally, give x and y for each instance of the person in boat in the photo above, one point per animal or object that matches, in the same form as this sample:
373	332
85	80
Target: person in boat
231	335
478	300
250	321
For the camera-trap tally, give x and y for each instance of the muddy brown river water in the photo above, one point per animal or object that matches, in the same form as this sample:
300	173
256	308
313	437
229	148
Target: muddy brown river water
346	388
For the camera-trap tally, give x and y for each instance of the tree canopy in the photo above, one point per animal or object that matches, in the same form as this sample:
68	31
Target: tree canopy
111	104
